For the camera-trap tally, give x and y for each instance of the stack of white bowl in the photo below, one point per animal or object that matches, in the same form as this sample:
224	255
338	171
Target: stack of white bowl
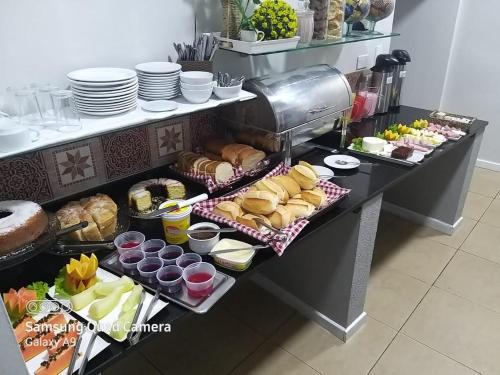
197	86
104	91
158	80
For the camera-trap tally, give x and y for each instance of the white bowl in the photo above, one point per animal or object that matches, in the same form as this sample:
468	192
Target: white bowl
197	78
203	247
205	86
228	92
196	96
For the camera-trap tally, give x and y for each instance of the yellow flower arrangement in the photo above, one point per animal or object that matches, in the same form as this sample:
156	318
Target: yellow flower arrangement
276	18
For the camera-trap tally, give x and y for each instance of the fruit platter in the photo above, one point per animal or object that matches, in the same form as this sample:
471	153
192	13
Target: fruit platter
101	297
406	144
47	335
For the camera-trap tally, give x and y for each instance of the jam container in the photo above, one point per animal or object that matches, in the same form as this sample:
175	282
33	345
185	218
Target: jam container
174	223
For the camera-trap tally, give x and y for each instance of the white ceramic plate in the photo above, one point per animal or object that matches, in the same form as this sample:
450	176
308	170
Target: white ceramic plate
153	75
98	101
160	93
324	172
105	108
153	84
105	95
108	320
168	97
99	345
108	113
332	159
160	106
101	75
105	87
156	67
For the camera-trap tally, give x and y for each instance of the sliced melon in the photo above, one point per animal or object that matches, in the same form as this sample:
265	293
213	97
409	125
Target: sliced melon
80	300
133	299
124	283
103	307
122	326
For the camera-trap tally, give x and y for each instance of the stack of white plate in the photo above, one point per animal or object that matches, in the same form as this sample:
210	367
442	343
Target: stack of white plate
158	80
104	91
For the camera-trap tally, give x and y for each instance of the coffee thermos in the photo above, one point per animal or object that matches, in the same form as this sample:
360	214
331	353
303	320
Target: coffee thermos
403	58
382	78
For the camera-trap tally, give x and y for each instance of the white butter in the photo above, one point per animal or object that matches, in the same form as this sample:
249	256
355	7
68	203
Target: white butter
373	144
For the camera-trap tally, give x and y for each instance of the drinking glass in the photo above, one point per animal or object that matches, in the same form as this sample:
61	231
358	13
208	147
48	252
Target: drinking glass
28	108
67	117
46	104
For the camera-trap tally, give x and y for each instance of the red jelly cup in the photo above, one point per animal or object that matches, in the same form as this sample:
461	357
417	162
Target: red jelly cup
199	279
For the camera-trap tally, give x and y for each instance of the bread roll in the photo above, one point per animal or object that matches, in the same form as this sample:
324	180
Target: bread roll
288	183
317	197
281	218
222	171
250	158
304	176
228	209
307	165
260	202
268	185
249	221
230	152
238	200
299	207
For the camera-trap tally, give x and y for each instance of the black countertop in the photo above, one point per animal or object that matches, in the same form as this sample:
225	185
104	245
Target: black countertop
370	179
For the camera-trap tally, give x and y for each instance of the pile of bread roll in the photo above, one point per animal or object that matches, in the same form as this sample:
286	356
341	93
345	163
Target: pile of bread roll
237	154
278	200
190	162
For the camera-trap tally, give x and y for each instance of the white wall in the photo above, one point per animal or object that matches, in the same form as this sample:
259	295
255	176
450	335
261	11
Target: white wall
41	41
427	29
473	81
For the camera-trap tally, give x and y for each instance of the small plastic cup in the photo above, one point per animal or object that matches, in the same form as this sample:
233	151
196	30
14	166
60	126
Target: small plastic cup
129	241
151	248
129	261
199	278
170	254
148	268
187	259
170	278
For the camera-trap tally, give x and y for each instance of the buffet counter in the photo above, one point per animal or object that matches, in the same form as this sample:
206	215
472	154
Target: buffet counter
333	253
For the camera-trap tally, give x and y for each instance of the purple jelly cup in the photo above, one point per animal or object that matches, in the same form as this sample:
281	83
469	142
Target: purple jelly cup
148	268
170	278
129	261
170	254
187	259
151	248
129	241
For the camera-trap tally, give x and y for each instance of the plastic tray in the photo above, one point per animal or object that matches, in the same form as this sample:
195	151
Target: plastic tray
222	284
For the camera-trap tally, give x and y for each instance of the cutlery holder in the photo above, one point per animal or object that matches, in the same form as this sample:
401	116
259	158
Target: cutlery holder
204	66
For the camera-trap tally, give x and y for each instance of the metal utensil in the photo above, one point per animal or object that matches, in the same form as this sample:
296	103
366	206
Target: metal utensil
225	251
279	234
131	334
175	207
74	357
343	162
86	356
135	338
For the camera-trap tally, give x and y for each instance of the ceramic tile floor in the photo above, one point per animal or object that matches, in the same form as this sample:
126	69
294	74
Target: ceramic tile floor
433	307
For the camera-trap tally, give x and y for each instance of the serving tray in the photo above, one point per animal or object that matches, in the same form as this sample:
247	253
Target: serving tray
222	284
409	163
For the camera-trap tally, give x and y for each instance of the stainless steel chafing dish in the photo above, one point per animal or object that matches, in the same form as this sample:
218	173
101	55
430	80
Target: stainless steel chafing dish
290	108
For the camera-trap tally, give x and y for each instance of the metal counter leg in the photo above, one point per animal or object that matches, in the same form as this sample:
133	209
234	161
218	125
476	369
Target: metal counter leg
325	275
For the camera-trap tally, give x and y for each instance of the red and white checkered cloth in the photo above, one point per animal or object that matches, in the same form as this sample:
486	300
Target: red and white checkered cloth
204	209
212	185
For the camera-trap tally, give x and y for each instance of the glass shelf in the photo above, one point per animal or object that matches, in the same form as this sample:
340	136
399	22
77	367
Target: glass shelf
360	37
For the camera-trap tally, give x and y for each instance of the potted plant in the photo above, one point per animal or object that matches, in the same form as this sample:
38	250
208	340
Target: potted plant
248	32
276	19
